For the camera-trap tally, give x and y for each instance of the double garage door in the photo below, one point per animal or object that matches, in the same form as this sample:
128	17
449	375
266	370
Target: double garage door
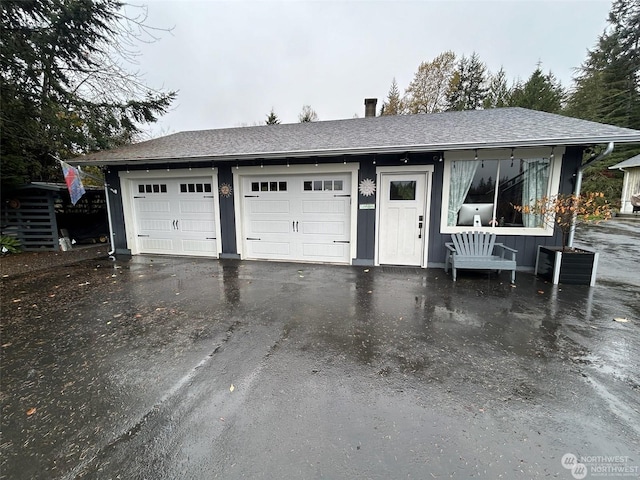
175	216
297	217
293	217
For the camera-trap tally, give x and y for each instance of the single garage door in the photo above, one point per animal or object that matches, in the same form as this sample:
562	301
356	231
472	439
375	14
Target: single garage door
297	217
175	216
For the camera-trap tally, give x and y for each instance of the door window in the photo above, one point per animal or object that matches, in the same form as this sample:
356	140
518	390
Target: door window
402	190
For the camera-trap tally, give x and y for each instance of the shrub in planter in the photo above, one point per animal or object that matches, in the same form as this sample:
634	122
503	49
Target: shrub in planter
565	264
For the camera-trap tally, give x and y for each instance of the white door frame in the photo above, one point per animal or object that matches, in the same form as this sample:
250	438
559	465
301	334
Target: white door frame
127	180
240	171
427	171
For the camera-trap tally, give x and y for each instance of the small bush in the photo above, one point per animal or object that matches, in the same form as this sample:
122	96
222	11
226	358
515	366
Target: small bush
9	244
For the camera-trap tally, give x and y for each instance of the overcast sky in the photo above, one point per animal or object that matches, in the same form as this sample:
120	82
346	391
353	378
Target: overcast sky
232	61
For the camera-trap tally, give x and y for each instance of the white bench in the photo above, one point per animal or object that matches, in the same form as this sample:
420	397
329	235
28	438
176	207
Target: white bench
479	251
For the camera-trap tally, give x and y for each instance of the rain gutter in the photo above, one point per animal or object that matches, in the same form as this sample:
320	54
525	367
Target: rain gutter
602	155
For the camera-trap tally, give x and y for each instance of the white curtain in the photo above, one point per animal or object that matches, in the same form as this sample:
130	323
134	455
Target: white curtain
534	187
462	174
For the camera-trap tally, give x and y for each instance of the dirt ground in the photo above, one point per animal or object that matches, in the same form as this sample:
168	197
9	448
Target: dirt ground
24	262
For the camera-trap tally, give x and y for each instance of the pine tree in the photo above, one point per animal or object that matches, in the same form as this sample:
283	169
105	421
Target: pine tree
607	87
393	104
498	93
607	90
63	88
468	85
540	92
272	118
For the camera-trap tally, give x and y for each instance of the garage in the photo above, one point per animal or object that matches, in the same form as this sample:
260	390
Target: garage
297	217
175	216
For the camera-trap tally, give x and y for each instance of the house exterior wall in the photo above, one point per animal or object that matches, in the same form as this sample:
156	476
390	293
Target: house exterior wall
366	217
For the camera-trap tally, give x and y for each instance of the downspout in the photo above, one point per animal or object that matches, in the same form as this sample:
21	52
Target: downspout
111	234
602	155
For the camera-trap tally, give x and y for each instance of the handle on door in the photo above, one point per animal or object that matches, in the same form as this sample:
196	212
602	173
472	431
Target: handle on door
177	224
297	229
174	224
420	228
294	226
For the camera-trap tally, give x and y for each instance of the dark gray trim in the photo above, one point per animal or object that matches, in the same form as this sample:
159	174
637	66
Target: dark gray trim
362	263
117	211
230	256
366	229
227	213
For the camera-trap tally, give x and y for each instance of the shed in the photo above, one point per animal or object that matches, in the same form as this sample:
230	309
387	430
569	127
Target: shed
630	199
35	213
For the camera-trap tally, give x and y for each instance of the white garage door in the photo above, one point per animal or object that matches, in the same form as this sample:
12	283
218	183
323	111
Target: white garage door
297	217
175	216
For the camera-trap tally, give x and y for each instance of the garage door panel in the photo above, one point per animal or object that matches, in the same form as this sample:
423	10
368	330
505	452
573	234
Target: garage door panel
277	249
338	207
269	206
155	225
195	247
324	228
200	226
156	245
258	227
334	251
196	206
148	206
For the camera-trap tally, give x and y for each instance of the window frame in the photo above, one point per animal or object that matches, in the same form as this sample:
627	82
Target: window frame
500	154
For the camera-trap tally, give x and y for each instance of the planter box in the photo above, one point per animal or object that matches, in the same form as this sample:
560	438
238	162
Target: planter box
577	266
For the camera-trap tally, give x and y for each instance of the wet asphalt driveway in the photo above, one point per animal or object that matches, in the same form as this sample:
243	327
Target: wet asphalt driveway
163	368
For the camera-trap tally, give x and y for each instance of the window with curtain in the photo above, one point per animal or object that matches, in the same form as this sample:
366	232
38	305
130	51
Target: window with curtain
484	192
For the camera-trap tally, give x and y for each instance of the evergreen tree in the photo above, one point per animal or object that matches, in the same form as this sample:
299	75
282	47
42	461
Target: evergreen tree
540	92
607	87
498	93
427	92
468	85
272	118
63	88
393	104
607	90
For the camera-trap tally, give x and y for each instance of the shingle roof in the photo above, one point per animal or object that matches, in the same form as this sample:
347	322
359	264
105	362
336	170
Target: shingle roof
503	127
628	163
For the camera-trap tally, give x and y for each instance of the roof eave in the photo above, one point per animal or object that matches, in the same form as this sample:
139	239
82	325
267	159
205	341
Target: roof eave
392	149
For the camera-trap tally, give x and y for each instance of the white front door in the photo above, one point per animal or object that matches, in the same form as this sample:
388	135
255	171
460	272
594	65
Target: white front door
403	222
175	216
297	217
